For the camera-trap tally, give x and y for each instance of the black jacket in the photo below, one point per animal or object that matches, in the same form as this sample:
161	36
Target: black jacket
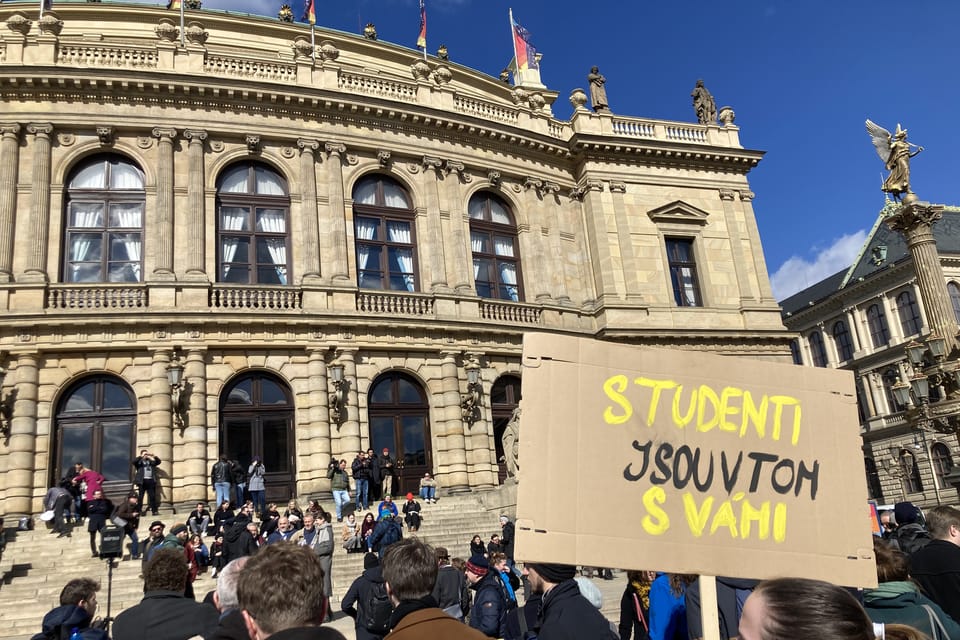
308	633
237	541
230	627
911	537
140	463
506	539
451	588
567	615
165	615
936	567
727	606
220	472
359	593
60	622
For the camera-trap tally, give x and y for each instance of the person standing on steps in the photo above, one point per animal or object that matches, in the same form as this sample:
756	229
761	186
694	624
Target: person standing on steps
220	479
387	470
145	479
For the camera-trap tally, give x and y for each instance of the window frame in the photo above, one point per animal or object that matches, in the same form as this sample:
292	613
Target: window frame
492	230
942	461
877	323
843	340
910	480
953	289
675	266
384	214
907	303
818	350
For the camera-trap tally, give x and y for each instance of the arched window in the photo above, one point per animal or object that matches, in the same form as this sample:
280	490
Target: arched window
909	313
103	233
386	242
795	351
817	350
496	254
942	461
877	321
909	473
399	418
841	336
253	208
873	480
954	290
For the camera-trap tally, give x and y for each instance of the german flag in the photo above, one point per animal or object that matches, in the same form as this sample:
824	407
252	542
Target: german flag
422	38
310	13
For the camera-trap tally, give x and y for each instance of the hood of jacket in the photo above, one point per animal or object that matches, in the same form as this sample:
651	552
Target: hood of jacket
894	594
374	574
69	616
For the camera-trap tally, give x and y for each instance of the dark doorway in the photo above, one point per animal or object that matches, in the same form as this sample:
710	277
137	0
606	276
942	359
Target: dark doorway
504	398
95	425
256	418
399	420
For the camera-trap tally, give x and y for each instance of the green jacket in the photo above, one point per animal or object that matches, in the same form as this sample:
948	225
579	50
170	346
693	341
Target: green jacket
902	603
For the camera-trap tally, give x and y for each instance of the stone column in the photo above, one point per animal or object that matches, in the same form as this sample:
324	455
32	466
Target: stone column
160	421
310	243
530	237
459	265
893	318
753	235
870	410
163	229
732	221
451	458
350	429
850	316
191	464
196	215
9	163
628	260
314	444
598	240
481	454
555	247
21	446
430	233
36	270
337	232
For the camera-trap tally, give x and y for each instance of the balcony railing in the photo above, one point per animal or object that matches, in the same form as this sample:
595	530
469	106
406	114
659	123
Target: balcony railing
97	297
271	299
511	312
408	304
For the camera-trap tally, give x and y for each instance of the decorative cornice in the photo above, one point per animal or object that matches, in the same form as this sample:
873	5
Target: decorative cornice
727	194
617	187
746	196
10	129
429	162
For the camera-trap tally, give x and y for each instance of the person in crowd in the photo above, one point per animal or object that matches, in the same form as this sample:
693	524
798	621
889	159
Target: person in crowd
220	478
635	606
339	485
269	520
494	546
238	478
237	539
218	556
506	540
178	540
564	612
385	465
293	611
221	515
803	608
936	567
897	598
594	596
199	519
388	531
362	471
361	601
165	613
129	512
99	510
283	532
366	529
490	605
451	591
910	534
254	531
145	479
477	547
75	489
668	612
230	625
410	572
78	604
520	623
58	500
411	513
428	489
200	552
90	481
731	594
375	478
294	513
314	509
351	537
509	582
154	538
258	487
318	536
388	504
888	524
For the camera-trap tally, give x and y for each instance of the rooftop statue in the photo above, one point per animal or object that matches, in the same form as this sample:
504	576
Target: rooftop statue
895	152
598	93
704	104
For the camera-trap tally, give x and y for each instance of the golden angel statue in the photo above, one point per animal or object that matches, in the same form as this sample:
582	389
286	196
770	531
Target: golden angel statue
895	152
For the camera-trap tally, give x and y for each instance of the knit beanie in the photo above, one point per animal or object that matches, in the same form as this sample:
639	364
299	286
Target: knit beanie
178	528
555	573
478	564
370	560
906	513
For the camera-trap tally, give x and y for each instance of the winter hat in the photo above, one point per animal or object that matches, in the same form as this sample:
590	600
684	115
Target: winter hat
370	560
504	519
906	513
409	496
178	528
555	573
590	591
478	565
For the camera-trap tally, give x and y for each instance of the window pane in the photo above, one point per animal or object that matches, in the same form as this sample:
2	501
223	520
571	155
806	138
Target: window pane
241	393
368	228
271	393
234	219
269	182
124	246
275	435
239	439
365	192
480	242
371	280
234	179
85	246
124	175
394	195
271	220
381	433
475	208
127	215
75	442
408	392
116	396
398	231
86	214
93	176
382	393
85	273
81	399
115	461
414	447
498	213
504	246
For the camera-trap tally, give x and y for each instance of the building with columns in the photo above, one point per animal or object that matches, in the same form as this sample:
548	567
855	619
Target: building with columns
229	240
861	319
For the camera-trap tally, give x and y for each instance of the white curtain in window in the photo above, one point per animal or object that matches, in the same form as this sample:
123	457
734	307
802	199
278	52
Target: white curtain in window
689	289
229	249
126	216
476	269
503	246
394	197
271	220
268	182
508	275
365	192
80	245
232	219
235	180
86	214
365	230
92	177
399	232
278	253
133	245
476	241
125	176
498	214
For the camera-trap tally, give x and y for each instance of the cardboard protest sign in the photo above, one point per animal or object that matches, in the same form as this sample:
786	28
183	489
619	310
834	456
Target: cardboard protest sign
690	462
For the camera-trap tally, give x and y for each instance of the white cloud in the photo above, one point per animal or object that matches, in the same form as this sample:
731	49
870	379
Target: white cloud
798	273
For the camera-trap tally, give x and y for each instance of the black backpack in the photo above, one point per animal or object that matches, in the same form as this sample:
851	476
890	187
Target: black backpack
374	613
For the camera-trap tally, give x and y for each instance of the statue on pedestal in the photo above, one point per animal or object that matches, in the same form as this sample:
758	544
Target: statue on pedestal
895	152
598	93
511	444
703	104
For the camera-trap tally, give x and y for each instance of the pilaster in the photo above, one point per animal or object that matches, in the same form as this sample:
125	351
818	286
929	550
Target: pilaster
21	446
433	231
163	226
310	243
190	462
9	161
451	457
160	421
36	270
196	215
337	234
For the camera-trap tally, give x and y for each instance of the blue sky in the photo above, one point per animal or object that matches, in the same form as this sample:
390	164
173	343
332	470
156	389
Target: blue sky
801	76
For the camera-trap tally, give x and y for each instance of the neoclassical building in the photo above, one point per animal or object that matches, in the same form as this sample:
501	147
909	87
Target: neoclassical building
862	319
230	240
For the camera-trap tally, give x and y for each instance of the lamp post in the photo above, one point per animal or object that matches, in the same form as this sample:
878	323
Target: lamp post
4	408
338	399
175	378
470	403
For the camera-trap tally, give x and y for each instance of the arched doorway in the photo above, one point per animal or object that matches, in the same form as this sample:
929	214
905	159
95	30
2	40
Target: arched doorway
504	398
399	420
256	419
96	424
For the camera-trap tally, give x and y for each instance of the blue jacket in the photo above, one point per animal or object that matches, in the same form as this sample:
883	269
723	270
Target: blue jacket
489	611
59	624
668	612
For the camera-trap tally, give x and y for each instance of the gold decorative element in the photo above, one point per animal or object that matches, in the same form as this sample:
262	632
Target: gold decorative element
370	31
895	152
285	14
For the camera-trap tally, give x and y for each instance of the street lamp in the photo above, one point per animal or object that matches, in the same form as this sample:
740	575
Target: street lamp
471	402
6	410
177	397
338	399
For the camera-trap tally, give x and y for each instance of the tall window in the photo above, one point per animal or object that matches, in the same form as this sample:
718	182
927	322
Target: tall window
877	321
385	235
841	336
909	473
683	272
942	461
909	313
890	378
252	216
795	351
104	228
874	489
817	349
954	290
496	256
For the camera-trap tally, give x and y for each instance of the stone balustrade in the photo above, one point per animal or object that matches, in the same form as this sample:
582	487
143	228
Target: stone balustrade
99	297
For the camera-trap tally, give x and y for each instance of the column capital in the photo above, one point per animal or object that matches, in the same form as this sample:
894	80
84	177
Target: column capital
195	136
727	194
40	129
746	196
309	146
10	129
164	133
335	149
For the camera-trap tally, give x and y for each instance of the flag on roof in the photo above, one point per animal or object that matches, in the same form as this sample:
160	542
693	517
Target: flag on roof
310	13
422	38
525	52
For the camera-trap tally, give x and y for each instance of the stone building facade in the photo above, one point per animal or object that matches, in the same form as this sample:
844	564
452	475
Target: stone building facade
266	215
861	319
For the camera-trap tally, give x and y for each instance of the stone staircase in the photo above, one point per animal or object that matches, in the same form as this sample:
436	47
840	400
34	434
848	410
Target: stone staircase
37	564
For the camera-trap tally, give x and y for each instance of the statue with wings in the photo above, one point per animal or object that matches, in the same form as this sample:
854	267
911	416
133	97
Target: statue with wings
895	152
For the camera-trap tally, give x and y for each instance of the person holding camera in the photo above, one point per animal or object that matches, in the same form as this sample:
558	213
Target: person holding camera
145	479
339	484
257	487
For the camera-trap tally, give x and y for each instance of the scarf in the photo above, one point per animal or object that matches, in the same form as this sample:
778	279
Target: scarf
406	607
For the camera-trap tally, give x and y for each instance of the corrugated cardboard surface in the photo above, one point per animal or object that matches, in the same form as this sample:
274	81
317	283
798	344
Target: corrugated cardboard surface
576	505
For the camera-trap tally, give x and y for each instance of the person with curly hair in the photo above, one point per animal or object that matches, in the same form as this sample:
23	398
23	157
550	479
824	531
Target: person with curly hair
635	606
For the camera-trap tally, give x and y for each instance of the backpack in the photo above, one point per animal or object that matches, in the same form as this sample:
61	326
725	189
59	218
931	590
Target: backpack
375	612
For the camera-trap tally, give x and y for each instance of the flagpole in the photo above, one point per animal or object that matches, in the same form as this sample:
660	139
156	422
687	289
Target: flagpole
183	31
42	2
516	61
313	42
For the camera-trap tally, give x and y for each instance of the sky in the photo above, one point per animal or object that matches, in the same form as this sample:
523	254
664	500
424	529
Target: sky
802	78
